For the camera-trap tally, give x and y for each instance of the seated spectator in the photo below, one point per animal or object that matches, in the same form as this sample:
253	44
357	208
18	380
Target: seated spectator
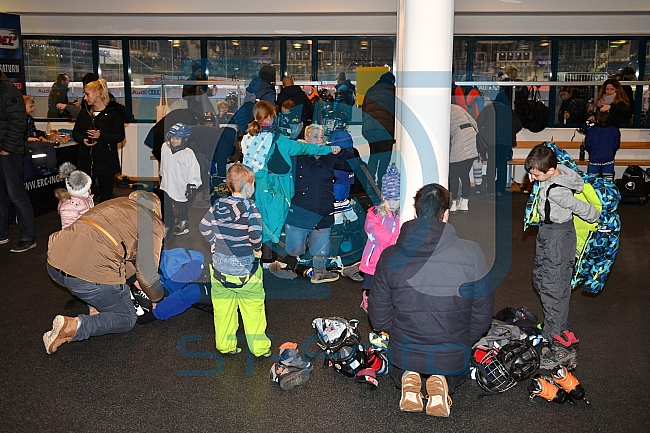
432	293
41	150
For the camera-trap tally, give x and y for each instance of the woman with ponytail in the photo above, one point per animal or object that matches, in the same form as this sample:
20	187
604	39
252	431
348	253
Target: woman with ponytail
99	130
268	153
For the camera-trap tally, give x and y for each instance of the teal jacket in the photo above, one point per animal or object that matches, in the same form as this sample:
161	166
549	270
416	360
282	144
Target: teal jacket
274	184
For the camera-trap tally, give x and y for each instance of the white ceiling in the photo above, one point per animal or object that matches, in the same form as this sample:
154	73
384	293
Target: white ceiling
331	17
312	6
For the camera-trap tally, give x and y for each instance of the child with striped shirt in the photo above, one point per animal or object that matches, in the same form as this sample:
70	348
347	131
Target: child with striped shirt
233	226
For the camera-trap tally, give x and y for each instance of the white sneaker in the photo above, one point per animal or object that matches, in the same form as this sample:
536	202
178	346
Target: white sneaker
463	204
454	206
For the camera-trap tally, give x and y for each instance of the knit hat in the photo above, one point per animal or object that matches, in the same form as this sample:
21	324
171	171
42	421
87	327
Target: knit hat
267	73
390	185
76	181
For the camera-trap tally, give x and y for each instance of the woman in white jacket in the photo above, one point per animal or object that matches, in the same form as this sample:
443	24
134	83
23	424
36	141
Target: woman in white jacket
462	154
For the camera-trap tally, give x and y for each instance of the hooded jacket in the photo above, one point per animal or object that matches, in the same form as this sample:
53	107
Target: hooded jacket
298	96
432	293
257	90
563	202
13	117
102	158
344	100
602	143
379	110
121	232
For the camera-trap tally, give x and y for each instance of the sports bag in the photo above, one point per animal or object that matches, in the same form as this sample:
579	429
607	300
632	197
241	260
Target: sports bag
532	112
634	185
597	243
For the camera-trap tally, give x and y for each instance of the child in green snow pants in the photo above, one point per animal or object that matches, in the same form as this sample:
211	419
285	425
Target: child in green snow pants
248	298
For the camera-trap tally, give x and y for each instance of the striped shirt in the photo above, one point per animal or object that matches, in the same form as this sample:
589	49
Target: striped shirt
234	226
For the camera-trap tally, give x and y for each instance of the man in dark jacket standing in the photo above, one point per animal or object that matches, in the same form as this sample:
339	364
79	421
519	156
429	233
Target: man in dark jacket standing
13	126
57	101
379	124
432	294
292	92
345	94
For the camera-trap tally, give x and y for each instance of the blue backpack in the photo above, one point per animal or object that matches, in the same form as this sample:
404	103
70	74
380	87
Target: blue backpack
597	243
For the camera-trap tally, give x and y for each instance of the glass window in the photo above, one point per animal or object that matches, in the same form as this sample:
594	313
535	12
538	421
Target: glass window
152	59
531	58
593	60
299	55
234	62
645	102
336	56
46	58
111	67
459	68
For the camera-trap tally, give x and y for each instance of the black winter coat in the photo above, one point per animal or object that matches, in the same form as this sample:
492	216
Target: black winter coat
432	293
312	205
13	118
102	158
298	96
379	112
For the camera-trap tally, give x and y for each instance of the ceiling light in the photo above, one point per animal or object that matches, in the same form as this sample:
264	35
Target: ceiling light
264	48
235	43
288	32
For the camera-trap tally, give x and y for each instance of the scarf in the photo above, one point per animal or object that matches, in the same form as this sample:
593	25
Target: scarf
606	100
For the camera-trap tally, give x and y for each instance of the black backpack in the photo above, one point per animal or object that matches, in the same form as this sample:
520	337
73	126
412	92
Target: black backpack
634	186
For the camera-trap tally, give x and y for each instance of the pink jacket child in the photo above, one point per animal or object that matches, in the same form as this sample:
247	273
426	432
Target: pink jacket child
76	200
382	226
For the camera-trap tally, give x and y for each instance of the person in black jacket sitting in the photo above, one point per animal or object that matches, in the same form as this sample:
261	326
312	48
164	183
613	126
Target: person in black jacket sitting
432	294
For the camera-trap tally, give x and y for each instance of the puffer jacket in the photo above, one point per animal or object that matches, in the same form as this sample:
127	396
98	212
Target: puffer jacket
121	232
462	132
13	120
102	158
72	207
432	294
382	232
379	112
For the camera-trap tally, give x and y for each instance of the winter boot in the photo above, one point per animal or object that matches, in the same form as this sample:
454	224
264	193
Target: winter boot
321	274
454	206
463	204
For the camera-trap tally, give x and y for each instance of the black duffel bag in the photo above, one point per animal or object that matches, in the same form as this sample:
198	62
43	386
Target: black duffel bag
532	112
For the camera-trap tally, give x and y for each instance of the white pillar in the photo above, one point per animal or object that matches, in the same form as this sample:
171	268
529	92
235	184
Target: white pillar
425	36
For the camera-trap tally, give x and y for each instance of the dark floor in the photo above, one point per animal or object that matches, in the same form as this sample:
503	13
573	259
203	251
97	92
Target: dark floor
167	376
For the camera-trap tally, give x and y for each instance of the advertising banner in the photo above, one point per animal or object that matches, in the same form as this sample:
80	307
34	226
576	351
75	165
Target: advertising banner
11	50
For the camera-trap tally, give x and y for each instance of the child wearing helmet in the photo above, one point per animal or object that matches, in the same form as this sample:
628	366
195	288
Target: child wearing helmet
180	176
335	127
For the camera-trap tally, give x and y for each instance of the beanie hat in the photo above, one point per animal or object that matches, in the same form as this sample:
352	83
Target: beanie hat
390	183
76	181
267	73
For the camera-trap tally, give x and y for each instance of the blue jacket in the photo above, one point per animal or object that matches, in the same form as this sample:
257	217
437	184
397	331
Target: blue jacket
602	143
312	206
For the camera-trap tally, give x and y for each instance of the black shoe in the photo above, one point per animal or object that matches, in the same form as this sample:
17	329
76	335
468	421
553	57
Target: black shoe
182	229
23	246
